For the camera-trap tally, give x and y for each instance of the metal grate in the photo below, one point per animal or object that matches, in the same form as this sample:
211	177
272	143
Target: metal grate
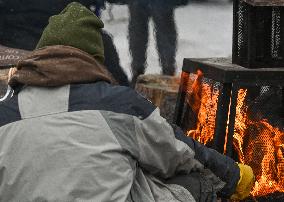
259	139
258	36
198	119
241	29
239	112
276	31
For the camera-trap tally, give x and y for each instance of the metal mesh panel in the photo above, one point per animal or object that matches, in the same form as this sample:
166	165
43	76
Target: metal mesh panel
267	105
200	108
257	130
259	136
275	37
242	29
258	35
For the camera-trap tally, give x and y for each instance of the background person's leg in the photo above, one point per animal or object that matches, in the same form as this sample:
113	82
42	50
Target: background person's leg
138	37
166	35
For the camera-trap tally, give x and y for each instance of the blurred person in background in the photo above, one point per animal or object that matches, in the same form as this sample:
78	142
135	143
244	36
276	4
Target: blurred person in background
22	22
162	13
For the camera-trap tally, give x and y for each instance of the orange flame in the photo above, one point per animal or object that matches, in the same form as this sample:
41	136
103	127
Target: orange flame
257	143
264	153
202	98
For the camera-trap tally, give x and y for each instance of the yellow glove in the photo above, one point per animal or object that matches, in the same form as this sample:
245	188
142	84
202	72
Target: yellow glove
245	183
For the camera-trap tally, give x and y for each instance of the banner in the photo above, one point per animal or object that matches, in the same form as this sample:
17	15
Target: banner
10	56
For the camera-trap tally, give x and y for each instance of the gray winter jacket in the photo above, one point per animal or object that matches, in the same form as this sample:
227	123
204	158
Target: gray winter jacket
91	141
56	145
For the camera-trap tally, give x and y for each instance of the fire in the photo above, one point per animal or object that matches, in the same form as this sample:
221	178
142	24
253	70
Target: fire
203	101
264	153
256	142
240	123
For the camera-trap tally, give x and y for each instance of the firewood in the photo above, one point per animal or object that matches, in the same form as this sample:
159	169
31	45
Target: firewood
161	90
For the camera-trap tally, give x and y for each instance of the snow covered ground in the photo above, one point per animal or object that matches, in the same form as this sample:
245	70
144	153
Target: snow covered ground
204	28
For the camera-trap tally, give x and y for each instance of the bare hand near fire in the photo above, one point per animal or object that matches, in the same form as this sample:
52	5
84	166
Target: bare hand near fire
12	71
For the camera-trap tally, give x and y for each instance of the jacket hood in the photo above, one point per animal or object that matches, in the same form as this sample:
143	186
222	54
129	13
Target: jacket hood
59	65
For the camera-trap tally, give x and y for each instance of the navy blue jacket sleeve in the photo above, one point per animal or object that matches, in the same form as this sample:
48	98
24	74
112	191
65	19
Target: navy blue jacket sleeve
222	166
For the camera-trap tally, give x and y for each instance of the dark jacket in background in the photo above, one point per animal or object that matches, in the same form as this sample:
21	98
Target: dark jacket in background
22	23
169	2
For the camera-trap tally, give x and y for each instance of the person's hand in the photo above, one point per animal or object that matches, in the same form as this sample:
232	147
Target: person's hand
245	183
12	71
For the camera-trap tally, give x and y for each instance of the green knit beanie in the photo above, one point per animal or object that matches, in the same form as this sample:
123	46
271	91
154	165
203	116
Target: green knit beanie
75	26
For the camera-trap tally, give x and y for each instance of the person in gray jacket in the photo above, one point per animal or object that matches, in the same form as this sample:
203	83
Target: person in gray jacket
70	133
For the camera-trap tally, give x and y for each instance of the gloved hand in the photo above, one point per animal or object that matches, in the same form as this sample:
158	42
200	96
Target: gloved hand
245	183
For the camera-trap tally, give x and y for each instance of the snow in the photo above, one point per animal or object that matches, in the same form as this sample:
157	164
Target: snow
204	30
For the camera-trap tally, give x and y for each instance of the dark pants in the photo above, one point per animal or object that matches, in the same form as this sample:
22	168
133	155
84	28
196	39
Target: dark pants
165	30
202	187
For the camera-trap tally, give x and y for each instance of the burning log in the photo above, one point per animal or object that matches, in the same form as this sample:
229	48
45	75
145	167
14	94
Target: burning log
161	90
